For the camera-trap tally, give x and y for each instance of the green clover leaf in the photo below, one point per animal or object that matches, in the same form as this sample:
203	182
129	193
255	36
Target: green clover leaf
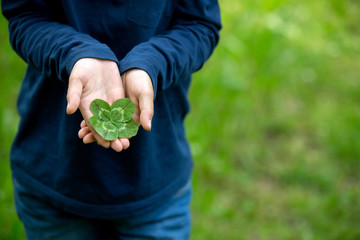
114	121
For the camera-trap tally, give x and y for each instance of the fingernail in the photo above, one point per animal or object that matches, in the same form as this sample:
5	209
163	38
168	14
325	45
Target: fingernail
67	108
149	124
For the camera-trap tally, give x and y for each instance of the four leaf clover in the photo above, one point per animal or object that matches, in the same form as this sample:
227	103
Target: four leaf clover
115	121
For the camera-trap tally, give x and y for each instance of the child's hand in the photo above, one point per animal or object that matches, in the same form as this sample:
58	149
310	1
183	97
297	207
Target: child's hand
90	79
139	89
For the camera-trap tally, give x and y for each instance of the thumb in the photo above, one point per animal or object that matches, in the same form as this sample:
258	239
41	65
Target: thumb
73	95
146	106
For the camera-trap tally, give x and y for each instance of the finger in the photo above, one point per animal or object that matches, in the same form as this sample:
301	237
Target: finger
89	138
146	106
83	132
116	145
83	124
125	143
73	95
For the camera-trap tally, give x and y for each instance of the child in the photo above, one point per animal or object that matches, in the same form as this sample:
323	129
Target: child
78	51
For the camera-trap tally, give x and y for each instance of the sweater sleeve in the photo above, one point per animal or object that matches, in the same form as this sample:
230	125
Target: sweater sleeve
174	55
40	39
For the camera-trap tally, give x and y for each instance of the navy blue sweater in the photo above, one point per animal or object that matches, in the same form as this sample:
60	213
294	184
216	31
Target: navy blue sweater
169	39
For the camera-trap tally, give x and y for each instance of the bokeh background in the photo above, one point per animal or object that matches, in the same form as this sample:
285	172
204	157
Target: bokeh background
274	126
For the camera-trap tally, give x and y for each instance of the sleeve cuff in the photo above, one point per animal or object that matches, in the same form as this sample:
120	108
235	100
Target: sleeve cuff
143	64
100	51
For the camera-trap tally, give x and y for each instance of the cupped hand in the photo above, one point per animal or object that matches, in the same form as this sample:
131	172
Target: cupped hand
90	79
139	88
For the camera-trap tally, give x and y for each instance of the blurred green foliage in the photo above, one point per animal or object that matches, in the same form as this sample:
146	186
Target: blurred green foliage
11	71
274	126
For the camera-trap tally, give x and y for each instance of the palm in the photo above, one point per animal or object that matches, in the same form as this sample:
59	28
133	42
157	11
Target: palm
91	79
138	87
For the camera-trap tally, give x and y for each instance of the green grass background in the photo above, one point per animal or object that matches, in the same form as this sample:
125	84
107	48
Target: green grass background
274	126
